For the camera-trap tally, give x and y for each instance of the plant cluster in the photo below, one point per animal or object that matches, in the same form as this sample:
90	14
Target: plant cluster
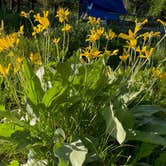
77	110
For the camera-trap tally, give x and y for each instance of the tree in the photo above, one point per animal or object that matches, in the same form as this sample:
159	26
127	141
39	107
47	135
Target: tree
147	8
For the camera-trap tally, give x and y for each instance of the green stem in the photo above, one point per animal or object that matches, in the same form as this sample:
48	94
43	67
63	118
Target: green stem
13	92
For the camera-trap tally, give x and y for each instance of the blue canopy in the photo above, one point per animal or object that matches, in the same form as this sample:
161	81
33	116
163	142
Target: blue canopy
105	9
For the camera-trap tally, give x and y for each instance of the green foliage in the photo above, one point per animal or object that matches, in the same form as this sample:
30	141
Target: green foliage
77	111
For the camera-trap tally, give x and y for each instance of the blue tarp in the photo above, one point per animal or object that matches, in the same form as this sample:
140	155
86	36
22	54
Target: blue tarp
105	9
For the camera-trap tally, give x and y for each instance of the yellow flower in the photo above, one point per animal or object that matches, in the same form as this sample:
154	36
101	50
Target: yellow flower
2	25
110	35
155	72
10	54
162	76
62	14
124	57
21	31
94	54
91	53
86	52
37	29
95	35
109	53
8	41
130	38
100	31
24	14
18	64
138	25
35	58
162	22
131	43
124	36
43	23
4	71
148	35
56	40
43	20
66	28
146	53
20	59
17	67
94	21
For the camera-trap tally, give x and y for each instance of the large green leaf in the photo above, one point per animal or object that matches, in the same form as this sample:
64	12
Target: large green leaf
12	116
161	160
53	93
144	151
14	163
32	85
146	110
93	73
7	129
65	70
154	124
78	154
147	137
113	125
74	152
63	162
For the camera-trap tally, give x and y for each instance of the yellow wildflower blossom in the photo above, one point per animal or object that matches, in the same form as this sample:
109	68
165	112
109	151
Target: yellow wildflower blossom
95	34
56	40
162	22
131	43
162	76
24	14
10	54
146	53
35	58
8	41
62	14
93	37
128	36
43	23
124	57
132	37
20	59
37	29
156	73
94	21
17	67
150	34
100	31
2	26
86	52
95	54
66	28
4	71
91	53
43	20
138	25
18	64
21	31
110	35
109	53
